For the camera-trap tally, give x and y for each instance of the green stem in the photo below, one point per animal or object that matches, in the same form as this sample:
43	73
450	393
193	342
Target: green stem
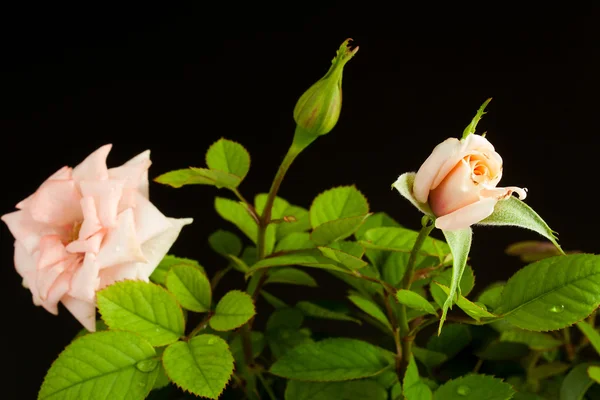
266	386
199	327
406	338
395	332
568	344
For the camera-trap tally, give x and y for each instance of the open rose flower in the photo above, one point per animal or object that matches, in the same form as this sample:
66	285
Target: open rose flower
458	182
88	227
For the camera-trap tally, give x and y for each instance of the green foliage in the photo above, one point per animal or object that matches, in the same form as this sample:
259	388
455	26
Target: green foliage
372	309
190	287
413	387
414	300
318	311
308	258
363	389
228	156
475	311
201	366
474	387
103	365
143	308
332	360
292	276
284	332
347	260
569	292
160	273
375	220
592	334
225	243
534	340
467	283
576	383
232	311
470	129
453	339
237	213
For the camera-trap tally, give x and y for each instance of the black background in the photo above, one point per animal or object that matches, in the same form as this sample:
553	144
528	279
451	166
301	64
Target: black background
175	78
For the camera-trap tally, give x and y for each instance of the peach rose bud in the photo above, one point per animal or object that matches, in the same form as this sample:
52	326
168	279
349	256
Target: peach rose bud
459	182
87	227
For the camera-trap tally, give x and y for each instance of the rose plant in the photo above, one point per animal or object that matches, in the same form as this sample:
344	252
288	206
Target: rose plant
89	238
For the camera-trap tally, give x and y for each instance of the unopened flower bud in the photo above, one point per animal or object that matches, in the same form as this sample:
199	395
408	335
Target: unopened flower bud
318	109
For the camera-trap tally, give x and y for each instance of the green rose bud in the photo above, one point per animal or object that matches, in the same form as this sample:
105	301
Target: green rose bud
318	109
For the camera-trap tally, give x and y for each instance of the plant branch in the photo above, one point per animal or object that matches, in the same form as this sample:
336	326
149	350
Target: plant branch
249	206
199	327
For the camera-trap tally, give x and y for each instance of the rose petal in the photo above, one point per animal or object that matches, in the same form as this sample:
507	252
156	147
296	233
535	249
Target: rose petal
24	263
430	168
89	245
94	166
56	203
52	251
456	191
149	221
91	224
503	193
466	216
134	172
83	311
121	244
117	273
477	142
85	281
106	195
56	293
45	278
25	230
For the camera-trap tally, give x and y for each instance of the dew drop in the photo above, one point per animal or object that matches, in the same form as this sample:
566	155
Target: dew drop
463	390
212	340
557	309
118	248
147	365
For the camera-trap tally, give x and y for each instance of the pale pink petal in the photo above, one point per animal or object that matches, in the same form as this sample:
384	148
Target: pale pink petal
503	193
157	247
25	230
116	273
94	166
52	251
56	293
466	216
128	199
45	278
477	142
149	221
25	263
85	280
91	224
106	195
431	167
121	244
24	203
89	245
83	311
456	191
134	172
56	203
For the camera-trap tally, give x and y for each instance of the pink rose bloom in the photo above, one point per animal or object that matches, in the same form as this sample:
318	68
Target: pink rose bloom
88	227
458	181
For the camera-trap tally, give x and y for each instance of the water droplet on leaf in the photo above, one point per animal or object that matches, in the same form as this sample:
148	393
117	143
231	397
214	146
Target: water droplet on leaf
147	365
212	340
557	309
463	390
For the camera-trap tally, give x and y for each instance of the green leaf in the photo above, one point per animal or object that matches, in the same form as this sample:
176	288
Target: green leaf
329	360
591	334
568	292
338	229
513	212
387	378
190	287
296	219
576	383
285	318
532	250
429	358
160	273
475	311
295	241
545	371
272	300
534	340
460	244
414	300
225	243
467	282
404	185
376	220
414	388
352	390
309	258
144	308
451	341
232	311
337	203
238	264
402	240
228	156
347	260
258	344
474	387
283	331
102	365
100	326
291	276
188	176
492	295
237	213
162	379
393	267
594	373
371	309
470	129
396	392
348	247
201	366
317	311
